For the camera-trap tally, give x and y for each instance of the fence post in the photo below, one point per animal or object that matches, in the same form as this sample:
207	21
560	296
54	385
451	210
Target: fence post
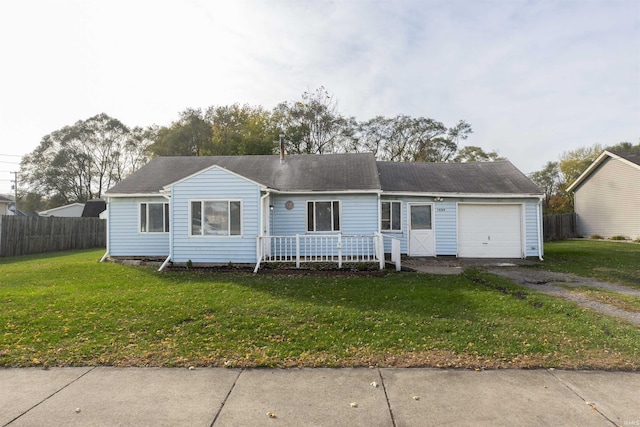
340	250
297	251
395	253
379	249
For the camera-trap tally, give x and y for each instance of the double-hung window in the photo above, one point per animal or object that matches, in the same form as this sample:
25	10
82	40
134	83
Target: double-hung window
216	218
154	217
323	216
390	218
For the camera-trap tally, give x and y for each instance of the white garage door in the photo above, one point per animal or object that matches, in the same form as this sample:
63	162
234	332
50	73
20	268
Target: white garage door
489	231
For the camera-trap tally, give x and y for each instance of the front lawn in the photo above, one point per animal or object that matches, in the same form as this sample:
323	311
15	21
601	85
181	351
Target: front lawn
67	309
609	261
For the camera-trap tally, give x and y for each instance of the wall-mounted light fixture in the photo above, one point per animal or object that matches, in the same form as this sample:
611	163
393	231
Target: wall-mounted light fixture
271	207
438	199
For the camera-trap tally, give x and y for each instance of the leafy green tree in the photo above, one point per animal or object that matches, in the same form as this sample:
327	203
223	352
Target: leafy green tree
624	146
242	130
573	162
80	162
471	153
548	179
410	139
190	135
312	125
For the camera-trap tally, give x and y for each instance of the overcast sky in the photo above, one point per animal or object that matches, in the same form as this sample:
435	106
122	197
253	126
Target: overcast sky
533	78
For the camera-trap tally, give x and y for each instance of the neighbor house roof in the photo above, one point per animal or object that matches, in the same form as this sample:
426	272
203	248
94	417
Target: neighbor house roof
336	172
93	208
630	157
464	178
5	200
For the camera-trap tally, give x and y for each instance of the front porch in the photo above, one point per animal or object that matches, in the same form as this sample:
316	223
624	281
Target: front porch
327	248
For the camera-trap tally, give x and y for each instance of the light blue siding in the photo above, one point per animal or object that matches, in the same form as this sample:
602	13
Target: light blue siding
125	238
532	245
445	223
358	213
358	216
215	184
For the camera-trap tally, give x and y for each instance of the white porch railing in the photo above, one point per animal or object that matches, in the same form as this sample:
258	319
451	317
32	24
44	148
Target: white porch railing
314	248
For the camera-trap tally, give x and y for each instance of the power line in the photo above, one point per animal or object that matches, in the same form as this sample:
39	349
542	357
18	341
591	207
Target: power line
12	155
11	163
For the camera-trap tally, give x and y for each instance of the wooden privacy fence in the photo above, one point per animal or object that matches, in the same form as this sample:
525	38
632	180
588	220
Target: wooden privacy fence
559	226
32	235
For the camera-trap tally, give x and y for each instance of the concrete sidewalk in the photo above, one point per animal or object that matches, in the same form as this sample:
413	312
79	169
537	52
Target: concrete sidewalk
316	397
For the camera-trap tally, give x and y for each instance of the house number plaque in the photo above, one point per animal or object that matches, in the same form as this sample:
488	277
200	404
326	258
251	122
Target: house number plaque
288	205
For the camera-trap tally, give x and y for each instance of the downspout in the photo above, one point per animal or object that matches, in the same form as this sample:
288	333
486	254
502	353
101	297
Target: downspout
106	254
540	235
258	247
166	261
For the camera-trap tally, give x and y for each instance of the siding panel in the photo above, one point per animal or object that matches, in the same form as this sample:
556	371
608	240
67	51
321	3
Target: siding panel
125	238
608	201
215	184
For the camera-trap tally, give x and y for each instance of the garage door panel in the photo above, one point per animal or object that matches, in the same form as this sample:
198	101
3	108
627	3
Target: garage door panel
489	231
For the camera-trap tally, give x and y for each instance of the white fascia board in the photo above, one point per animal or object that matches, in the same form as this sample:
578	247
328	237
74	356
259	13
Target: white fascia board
468	195
115	195
48	211
597	163
590	169
167	188
324	191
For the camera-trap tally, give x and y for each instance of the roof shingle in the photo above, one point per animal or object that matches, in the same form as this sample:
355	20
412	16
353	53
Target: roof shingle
337	172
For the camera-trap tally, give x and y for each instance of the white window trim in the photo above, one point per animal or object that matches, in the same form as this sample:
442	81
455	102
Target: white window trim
209	236
306	216
164	219
390	231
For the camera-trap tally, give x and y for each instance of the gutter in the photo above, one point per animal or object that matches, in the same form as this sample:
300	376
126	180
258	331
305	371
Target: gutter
540	236
166	261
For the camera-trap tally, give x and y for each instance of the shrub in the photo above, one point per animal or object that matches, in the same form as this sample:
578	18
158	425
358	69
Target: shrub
596	237
618	238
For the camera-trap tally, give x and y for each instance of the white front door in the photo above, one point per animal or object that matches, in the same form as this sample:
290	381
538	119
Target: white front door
421	236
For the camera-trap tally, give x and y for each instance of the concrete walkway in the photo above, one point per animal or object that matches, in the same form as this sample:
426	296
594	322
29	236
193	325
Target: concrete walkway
316	397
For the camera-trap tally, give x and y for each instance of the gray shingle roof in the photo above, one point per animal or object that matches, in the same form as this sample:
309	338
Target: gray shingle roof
337	172
334	172
475	178
631	155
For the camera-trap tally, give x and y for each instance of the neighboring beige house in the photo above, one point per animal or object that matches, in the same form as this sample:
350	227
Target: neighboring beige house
607	196
4	206
72	210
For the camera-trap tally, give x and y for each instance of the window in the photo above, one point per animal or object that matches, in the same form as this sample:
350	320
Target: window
323	216
390	219
154	217
215	218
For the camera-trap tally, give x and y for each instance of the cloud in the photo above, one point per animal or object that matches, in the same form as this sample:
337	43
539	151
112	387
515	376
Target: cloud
533	78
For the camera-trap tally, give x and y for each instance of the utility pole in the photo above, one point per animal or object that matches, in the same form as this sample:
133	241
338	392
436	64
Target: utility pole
15	188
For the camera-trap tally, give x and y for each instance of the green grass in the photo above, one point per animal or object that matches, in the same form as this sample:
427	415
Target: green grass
67	309
609	261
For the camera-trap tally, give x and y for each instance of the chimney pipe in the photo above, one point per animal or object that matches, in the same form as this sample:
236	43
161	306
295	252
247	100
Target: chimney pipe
281	148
